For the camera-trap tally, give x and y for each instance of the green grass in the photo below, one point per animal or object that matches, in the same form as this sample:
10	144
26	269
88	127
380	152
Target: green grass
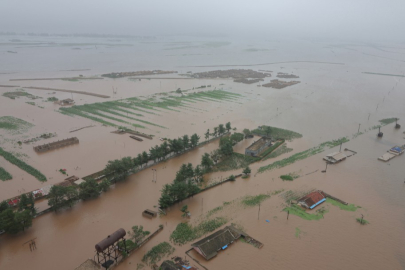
185	232
349	207
5	175
13	124
234	161
254	200
287	177
157	253
213	211
362	222
52	99
302	155
17	94
387	121
297	232
129	243
30	103
278	133
22	165
300	212
278	152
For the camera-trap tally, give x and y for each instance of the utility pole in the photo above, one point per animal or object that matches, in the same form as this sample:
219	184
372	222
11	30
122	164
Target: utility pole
358	129
288	214
258	213
340	150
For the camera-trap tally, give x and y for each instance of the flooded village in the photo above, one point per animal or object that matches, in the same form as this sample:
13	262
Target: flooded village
188	158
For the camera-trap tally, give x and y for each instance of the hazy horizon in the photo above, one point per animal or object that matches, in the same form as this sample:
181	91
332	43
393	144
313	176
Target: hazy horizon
361	20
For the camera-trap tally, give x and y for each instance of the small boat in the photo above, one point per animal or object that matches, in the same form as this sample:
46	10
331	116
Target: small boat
136	138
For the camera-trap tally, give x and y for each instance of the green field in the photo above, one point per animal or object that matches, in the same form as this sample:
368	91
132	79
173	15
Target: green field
131	111
14	125
234	161
278	133
22	165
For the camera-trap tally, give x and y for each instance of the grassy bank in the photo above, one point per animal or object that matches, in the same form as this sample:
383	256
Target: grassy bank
300	212
234	161
255	200
22	165
349	207
157	253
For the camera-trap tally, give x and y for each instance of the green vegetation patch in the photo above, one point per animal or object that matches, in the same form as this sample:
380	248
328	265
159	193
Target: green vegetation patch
5	175
52	99
129	244
157	253
278	152
254	200
13	124
184	232
234	161
22	165
362	221
277	133
349	207
271	148
297	232
287	177
30	103
17	94
387	121
300	212
215	210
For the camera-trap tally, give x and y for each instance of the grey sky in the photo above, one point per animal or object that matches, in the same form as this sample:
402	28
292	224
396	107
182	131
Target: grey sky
371	19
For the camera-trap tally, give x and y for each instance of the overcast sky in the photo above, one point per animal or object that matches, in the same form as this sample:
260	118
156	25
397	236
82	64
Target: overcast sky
360	19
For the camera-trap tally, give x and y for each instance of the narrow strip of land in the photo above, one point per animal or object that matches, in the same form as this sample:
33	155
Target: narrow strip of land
273	63
68	91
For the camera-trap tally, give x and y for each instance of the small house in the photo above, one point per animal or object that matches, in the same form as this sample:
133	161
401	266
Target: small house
209	246
258	147
312	200
335	157
67	102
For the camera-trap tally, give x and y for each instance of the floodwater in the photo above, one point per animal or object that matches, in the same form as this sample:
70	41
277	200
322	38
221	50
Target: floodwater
330	102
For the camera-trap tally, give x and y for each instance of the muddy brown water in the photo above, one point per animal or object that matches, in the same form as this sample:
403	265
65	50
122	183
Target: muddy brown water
330	102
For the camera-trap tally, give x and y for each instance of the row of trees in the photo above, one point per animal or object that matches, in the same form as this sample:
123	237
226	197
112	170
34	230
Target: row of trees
119	168
12	221
218	131
61	197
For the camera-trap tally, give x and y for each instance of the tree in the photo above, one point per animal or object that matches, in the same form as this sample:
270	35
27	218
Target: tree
23	219
215	155
225	146
207	134
198	174
72	196
89	190
4	206
9	223
138	234
56	197
104	185
153	153
206	161
221	129
184	209
186	142
215	132
194	140
247	133
228	126
232	177
267	130
139	160
247	170
23	203
145	158
236	137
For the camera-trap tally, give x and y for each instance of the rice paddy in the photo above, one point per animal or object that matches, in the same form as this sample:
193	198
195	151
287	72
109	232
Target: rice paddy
277	133
14	125
131	111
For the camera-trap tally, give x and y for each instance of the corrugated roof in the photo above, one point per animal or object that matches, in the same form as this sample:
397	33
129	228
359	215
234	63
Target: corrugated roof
214	242
312	198
337	156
